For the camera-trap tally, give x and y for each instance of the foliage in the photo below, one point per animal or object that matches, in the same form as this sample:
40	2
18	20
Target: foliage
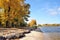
14	11
32	23
24	24
34	27
39	25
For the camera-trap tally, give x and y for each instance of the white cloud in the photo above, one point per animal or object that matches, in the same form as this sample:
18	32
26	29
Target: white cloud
53	11
59	10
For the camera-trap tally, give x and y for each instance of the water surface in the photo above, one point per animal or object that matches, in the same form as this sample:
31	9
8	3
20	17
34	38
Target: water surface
49	29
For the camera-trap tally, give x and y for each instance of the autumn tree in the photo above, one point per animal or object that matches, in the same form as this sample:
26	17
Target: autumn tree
15	11
32	23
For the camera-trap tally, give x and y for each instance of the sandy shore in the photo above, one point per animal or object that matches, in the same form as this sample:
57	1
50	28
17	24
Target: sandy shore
41	36
33	36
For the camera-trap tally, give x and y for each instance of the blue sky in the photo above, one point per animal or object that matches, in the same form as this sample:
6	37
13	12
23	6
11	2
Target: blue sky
45	11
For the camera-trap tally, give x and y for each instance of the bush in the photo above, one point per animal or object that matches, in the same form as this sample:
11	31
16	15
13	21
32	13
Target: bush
23	24
34	27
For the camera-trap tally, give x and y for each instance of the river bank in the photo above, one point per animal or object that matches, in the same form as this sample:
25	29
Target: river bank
12	33
43	33
38	34
34	35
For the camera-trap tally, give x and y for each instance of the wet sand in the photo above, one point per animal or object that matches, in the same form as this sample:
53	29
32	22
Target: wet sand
34	35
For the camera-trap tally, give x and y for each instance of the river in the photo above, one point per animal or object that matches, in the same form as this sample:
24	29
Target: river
44	33
48	29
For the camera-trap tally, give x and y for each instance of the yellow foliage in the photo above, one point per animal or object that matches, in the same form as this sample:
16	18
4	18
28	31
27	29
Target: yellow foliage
32	23
13	9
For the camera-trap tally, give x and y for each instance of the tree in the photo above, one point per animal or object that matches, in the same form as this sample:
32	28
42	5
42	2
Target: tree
32	23
27	12
15	11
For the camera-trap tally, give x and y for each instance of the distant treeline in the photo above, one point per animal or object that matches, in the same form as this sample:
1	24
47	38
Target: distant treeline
48	24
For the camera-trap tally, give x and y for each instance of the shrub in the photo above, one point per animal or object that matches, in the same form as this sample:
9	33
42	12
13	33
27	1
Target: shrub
34	27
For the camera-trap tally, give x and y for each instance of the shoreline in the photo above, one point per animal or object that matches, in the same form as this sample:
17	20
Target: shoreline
32	34
35	35
12	33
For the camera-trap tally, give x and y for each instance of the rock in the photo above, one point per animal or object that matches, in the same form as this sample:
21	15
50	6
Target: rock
27	31
19	35
2	38
8	37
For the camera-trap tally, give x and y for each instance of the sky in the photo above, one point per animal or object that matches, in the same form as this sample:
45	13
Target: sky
45	11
